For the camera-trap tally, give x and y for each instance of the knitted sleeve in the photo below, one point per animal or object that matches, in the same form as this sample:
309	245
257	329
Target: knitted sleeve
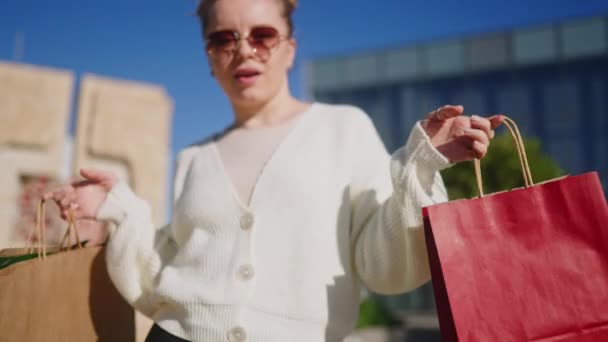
387	195
137	249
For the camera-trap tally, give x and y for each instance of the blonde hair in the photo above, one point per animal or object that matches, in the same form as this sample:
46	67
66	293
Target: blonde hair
204	8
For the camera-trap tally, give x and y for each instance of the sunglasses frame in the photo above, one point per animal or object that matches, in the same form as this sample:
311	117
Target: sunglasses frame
257	49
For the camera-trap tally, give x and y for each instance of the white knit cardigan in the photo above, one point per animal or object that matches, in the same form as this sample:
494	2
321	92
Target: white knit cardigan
331	211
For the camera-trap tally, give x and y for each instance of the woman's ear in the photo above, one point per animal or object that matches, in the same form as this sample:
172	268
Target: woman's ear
291	45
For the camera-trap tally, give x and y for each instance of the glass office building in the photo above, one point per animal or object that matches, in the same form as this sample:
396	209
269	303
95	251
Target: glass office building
552	79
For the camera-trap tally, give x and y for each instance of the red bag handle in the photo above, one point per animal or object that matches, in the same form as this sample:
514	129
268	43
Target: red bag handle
521	152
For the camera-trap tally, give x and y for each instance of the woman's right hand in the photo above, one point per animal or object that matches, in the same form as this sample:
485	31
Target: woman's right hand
83	197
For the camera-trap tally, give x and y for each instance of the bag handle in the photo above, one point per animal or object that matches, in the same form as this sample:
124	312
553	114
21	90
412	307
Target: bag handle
521	152
40	229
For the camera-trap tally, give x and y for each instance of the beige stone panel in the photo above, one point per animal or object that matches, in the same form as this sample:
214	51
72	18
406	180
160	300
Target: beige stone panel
34	111
127	123
124	127
34	105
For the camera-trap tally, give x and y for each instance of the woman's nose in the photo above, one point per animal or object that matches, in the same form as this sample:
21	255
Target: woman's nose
244	49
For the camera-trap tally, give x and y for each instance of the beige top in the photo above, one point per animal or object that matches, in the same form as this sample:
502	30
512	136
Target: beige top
246	150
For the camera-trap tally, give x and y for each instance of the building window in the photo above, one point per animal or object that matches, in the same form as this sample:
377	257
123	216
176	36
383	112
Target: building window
534	46
325	75
361	70
514	100
489	52
379	108
584	38
599	105
410	109
561	106
402	64
568	152
445	58
471	98
599	98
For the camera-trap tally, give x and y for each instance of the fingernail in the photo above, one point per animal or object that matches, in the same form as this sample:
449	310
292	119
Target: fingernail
468	130
475	118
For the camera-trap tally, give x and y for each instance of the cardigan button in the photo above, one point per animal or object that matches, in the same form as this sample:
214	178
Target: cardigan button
247	221
246	272
237	334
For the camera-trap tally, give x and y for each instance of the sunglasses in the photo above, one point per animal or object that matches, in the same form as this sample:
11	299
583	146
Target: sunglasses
261	39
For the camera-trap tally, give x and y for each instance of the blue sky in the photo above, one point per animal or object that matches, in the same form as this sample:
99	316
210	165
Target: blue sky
159	40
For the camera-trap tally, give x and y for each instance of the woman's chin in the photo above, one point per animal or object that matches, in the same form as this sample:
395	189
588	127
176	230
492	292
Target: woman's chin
249	96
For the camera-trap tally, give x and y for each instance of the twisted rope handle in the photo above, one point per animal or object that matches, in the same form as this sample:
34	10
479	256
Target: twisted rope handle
40	246
71	227
523	157
521	152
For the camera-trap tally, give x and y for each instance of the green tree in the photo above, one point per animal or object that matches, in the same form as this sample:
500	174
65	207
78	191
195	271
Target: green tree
372	312
500	169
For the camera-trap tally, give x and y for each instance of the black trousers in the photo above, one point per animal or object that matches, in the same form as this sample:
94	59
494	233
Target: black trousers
158	334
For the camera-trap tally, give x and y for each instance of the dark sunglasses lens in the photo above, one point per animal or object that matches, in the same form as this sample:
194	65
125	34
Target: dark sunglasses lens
264	37
223	40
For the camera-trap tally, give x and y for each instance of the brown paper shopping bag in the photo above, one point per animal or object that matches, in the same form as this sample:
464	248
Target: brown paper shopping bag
63	296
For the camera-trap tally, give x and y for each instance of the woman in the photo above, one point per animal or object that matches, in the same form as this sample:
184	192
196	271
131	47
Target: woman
279	220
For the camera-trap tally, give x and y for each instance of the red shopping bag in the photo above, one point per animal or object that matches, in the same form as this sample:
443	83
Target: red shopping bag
524	265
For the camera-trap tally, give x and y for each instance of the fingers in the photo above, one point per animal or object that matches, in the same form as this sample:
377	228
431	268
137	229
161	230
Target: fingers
94	175
445	112
496	120
482	124
475	135
468	149
479	150
104	178
57	194
66	199
481	133
476	139
467	138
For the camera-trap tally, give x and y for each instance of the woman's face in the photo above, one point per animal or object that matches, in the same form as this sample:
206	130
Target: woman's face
254	70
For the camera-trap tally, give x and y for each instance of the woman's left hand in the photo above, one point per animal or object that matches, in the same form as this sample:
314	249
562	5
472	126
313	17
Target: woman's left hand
459	137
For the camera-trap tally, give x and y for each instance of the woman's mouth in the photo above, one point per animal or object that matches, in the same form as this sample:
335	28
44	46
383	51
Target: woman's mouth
246	77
